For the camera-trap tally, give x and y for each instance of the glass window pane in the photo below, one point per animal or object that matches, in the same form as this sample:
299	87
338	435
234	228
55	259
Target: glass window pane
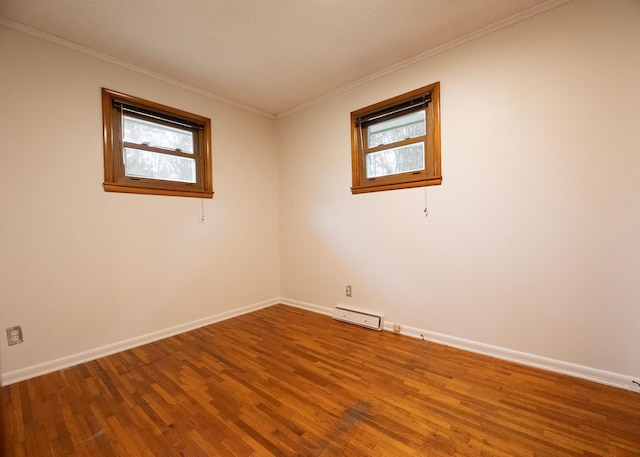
146	164
397	129
157	135
396	160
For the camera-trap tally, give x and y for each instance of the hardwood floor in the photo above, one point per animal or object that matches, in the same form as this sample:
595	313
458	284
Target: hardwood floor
287	382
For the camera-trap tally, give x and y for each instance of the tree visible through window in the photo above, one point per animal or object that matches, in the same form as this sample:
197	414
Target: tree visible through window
154	149
396	143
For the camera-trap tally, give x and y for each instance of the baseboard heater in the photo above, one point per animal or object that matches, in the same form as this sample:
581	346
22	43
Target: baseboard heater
353	316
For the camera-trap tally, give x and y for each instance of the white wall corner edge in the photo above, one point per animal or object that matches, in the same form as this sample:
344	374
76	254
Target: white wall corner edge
33	371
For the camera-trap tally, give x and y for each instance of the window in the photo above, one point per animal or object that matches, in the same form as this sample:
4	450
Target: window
395	144
154	149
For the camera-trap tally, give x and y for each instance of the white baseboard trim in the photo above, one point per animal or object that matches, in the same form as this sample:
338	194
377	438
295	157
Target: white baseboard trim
558	366
524	358
308	306
545	363
33	371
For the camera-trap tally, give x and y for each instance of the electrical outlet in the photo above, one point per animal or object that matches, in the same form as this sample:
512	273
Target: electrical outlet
14	335
348	291
397	328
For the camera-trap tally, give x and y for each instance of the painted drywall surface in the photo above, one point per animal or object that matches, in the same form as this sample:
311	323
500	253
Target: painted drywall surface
531	241
81	268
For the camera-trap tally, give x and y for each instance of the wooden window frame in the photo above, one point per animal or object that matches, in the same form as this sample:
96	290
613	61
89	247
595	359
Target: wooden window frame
115	179
431	175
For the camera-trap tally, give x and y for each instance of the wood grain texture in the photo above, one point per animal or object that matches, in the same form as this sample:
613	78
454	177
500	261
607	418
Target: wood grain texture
287	382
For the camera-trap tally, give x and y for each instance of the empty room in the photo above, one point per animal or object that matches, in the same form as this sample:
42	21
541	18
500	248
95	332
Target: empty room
320	228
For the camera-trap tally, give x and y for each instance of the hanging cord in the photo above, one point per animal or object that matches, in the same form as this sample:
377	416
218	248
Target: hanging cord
426	210
202	207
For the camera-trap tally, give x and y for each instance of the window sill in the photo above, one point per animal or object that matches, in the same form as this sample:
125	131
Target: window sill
376	187
149	191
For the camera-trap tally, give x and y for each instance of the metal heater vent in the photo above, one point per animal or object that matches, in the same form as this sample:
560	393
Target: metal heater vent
364	319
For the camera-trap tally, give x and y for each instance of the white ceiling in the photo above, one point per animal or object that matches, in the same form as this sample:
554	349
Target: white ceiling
270	55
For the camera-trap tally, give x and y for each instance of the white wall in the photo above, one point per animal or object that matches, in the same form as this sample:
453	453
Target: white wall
531	243
81	269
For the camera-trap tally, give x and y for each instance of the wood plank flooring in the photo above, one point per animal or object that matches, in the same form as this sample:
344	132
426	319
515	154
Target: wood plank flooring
287	382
